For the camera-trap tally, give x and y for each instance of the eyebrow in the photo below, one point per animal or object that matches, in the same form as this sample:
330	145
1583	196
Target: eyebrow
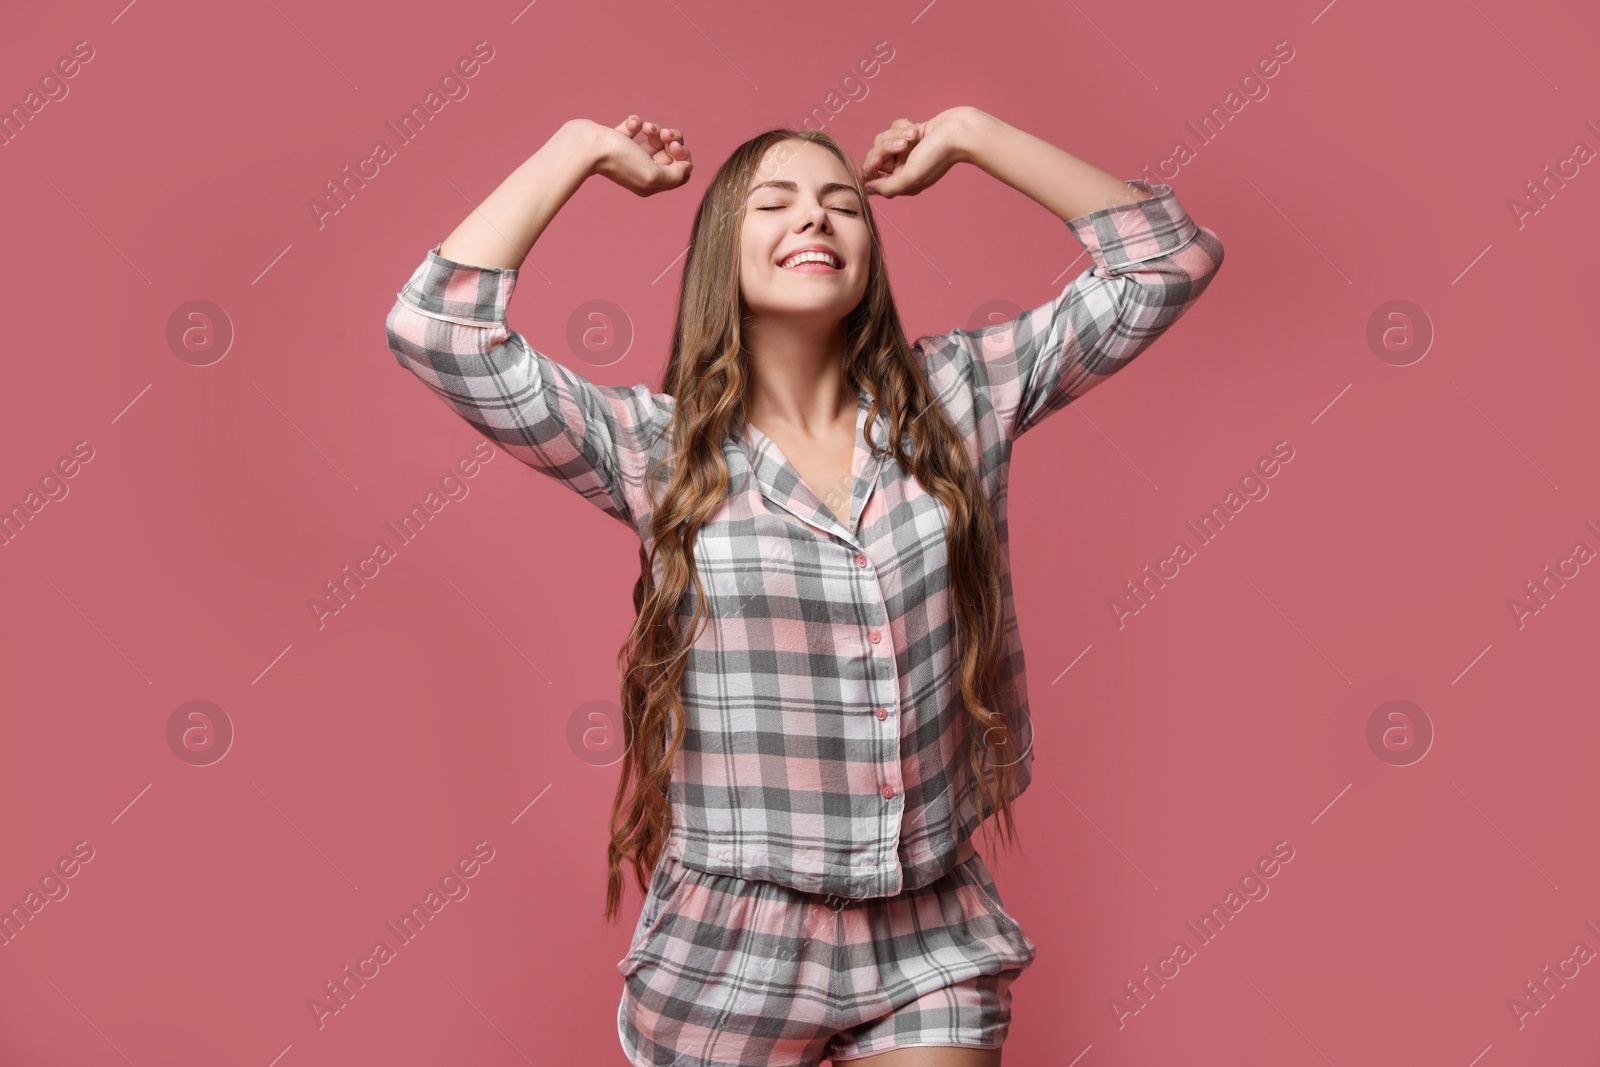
789	186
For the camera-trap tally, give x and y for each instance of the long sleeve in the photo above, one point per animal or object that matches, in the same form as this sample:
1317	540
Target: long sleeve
1150	264
447	326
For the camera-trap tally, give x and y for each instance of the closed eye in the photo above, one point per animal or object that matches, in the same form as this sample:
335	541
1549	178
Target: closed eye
779	207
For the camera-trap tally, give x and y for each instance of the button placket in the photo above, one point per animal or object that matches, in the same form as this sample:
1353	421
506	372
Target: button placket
889	763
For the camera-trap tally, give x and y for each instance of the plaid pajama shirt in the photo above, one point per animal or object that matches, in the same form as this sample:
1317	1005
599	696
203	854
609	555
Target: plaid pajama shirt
823	751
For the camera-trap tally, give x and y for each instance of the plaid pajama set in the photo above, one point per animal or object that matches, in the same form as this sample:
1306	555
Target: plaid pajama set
819	895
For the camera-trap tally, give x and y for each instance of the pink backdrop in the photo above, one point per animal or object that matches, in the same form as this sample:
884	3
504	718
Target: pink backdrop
1443	456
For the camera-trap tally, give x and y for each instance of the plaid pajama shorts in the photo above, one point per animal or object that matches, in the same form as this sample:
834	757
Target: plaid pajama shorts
729	972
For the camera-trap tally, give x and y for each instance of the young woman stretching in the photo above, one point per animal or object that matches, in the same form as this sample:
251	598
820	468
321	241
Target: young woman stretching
823	692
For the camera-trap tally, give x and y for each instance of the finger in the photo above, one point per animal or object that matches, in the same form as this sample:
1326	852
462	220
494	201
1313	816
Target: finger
876	152
906	139
890	164
889	187
880	157
894	180
673	175
669	141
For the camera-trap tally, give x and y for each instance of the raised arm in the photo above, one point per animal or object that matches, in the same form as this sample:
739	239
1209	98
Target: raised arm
1150	263
1059	181
447	325
638	155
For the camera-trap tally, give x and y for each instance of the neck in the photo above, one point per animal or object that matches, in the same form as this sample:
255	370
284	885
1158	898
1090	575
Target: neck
797	377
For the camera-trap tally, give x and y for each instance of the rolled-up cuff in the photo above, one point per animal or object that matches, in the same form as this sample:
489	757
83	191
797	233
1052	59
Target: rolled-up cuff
1124	234
460	292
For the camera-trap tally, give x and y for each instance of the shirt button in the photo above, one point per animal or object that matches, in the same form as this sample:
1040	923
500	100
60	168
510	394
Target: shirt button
874	637
861	561
888	792
883	713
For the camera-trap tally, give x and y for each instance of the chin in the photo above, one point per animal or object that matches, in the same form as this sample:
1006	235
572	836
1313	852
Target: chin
832	310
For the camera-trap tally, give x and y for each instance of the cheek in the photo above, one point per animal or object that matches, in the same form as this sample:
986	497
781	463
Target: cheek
754	282
755	252
752	272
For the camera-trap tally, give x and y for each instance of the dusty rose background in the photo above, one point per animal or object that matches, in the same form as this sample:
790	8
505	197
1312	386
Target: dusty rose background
1443	456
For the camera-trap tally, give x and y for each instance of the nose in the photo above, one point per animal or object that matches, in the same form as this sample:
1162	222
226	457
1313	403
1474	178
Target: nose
817	214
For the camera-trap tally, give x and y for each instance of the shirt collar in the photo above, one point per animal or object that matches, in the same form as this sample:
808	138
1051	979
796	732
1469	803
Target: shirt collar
781	483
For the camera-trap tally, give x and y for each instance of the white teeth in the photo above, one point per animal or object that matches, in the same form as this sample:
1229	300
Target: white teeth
810	257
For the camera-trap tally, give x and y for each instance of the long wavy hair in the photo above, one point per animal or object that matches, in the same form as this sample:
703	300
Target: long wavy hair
707	376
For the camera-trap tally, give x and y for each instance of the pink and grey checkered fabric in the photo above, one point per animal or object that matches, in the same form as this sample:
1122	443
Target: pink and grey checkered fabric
726	972
823	750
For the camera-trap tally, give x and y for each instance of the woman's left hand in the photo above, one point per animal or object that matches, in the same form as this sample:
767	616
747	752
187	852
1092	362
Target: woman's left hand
910	156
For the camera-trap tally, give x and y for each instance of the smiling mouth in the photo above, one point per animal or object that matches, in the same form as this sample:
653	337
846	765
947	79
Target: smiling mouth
819	259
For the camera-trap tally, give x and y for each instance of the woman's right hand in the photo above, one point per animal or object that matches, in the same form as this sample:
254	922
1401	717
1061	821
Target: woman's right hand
643	157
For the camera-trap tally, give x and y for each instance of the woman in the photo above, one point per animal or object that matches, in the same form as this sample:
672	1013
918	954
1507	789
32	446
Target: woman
823	691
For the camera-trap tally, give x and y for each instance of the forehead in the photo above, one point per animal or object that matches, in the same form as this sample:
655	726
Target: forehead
802	164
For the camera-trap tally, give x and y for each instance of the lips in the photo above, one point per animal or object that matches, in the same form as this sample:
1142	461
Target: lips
837	264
